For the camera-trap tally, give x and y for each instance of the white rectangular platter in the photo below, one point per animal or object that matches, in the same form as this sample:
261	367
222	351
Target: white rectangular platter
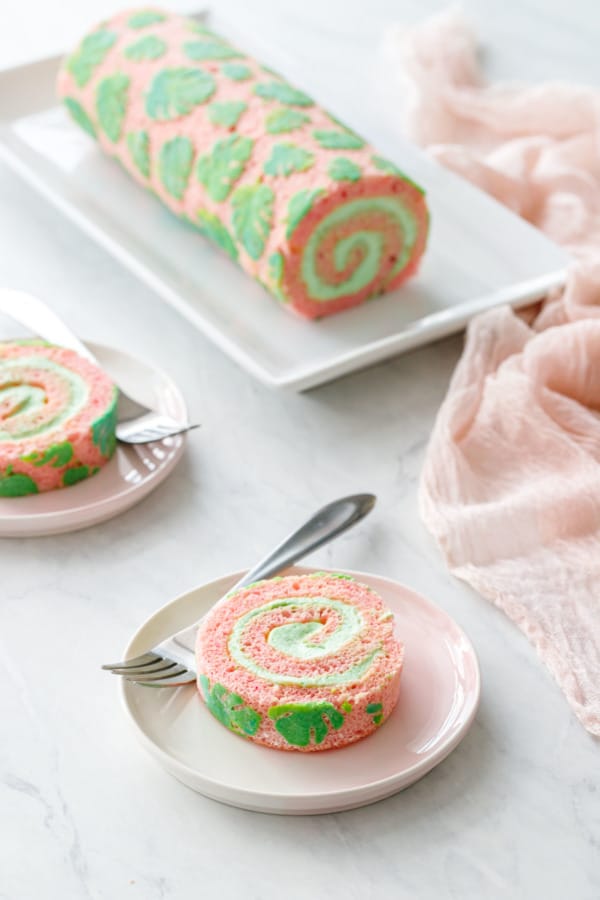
479	254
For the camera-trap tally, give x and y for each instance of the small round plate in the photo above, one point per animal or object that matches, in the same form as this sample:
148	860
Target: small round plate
439	695
131	474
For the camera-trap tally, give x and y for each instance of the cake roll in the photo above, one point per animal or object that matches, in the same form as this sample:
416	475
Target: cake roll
302	663
298	200
58	415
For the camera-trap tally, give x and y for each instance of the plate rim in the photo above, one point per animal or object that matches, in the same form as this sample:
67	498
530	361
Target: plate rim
376	790
41	524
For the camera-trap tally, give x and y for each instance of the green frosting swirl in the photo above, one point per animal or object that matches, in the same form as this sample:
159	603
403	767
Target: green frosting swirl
370	242
297	641
29	401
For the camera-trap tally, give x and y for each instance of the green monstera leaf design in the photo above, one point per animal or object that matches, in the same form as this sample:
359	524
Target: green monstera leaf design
236	71
201	50
276	270
90	54
79	115
253	216
175	92
338	140
288	158
146	17
375	710
15	484
103	430
175	164
300	204
221	168
111	104
227	114
57	455
285	93
149	47
281	121
304	723
229	708
75	474
138	143
212	228
342	169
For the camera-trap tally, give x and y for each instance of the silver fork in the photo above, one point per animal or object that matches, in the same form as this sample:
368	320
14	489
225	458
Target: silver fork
172	662
137	424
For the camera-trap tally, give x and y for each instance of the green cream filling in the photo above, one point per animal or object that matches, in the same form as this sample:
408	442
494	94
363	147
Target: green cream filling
370	242
296	640
25	399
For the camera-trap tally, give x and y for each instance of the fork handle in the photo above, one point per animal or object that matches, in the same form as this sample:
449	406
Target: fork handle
326	524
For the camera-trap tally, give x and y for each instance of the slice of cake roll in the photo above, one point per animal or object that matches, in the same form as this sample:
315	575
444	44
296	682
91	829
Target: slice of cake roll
302	203
304	662
58	415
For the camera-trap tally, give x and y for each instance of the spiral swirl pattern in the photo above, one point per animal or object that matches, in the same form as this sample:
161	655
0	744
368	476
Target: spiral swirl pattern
37	395
325	632
347	250
301	202
300	662
57	418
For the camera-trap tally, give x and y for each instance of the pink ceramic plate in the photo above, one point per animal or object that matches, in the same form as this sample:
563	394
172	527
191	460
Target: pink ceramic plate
125	480
438	701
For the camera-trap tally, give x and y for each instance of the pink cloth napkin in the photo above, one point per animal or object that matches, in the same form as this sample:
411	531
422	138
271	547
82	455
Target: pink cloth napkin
511	483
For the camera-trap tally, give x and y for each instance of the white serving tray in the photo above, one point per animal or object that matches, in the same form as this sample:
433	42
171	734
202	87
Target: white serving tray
479	256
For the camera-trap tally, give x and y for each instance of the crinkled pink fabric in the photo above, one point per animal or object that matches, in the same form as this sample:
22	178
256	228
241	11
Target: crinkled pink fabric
511	483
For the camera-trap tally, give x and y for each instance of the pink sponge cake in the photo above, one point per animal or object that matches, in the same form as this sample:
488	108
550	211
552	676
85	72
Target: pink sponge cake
304	662
298	200
57	418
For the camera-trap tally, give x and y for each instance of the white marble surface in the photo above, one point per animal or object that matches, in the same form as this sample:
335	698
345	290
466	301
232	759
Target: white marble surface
513	812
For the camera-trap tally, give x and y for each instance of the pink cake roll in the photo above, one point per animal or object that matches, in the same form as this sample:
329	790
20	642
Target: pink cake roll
302	203
58	414
300	663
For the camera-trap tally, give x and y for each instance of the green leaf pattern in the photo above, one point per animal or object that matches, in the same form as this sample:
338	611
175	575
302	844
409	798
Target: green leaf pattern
342	169
285	93
338	140
16	484
80	116
302	724
146	17
175	164
301	204
229	708
203	50
175	92
288	158
220	169
138	144
104	430
111	104
226	114
280	121
149	47
212	227
236	71
253	217
90	54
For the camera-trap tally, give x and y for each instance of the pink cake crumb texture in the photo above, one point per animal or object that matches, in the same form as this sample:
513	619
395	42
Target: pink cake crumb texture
300	663
57	418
